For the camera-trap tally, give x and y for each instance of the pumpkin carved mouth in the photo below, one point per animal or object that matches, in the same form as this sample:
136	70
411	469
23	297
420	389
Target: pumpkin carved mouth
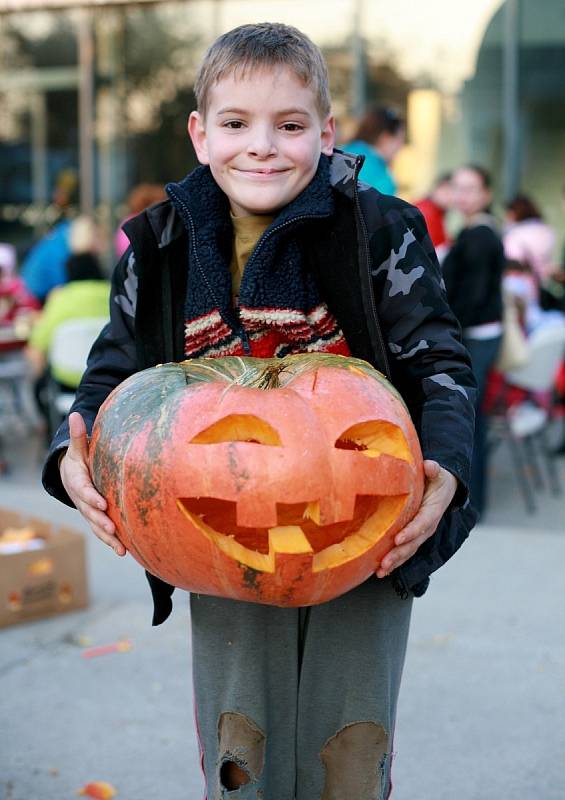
298	530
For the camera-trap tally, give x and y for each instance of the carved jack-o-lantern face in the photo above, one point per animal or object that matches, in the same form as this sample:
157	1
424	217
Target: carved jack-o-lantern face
279	481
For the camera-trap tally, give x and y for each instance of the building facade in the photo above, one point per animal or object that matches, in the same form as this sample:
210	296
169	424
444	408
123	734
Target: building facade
104	88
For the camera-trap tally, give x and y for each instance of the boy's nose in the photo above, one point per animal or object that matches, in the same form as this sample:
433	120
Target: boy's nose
261	144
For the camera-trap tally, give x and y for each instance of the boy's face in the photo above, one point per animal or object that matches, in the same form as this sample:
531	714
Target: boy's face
262	137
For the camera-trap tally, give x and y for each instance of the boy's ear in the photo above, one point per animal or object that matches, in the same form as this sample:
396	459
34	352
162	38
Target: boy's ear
328	136
197	133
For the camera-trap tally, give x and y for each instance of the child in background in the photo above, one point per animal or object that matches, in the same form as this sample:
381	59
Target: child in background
291	703
141	197
434	207
15	300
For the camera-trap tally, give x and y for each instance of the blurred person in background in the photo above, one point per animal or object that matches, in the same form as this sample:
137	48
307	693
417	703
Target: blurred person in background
434	207
85	293
44	266
141	197
520	283
528	239
473	271
15	300
17	308
552	291
552	298
379	136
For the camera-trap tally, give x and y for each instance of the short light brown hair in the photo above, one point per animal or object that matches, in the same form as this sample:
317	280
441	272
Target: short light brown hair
265	44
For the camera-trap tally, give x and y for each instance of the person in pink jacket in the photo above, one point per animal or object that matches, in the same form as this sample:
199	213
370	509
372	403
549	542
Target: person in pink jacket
528	239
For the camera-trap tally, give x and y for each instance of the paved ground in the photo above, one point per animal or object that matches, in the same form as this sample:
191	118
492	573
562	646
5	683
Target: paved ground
482	710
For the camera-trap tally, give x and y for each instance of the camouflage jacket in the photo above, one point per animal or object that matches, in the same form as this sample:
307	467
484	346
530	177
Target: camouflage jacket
377	272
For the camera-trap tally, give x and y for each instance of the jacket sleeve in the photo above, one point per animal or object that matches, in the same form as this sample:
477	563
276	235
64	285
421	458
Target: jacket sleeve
111	360
429	364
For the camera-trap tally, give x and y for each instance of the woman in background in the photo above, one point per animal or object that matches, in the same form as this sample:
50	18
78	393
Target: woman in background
379	136
473	271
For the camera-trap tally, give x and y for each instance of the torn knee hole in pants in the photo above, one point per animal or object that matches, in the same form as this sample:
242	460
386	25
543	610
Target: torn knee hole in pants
241	748
233	775
355	761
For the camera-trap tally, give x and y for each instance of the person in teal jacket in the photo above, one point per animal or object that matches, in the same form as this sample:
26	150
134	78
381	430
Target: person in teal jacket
379	136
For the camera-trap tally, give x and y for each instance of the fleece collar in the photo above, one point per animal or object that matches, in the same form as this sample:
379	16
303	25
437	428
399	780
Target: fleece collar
274	274
199	196
343	171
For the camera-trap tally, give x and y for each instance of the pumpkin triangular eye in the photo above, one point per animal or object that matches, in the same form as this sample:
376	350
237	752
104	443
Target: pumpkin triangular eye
239	428
375	438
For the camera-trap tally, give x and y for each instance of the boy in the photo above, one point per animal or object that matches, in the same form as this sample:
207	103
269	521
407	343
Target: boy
271	248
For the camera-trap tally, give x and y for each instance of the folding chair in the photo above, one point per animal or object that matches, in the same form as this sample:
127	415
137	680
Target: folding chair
68	353
524	426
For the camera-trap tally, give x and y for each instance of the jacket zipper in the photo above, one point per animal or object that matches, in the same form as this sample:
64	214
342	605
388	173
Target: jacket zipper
239	330
366	248
279	228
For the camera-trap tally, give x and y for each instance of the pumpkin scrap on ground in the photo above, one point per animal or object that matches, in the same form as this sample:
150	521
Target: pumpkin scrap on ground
100	790
279	481
121	646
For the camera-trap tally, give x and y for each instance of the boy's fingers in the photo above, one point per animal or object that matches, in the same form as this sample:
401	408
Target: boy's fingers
431	469
102	526
95	517
398	556
77	480
90	495
419	526
409	539
78	447
111	541
81	490
104	529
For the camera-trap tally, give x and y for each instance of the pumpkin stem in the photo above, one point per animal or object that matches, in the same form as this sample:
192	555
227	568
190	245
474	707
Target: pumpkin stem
269	377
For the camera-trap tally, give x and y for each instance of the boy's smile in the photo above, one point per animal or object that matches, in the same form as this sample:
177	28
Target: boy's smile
262	137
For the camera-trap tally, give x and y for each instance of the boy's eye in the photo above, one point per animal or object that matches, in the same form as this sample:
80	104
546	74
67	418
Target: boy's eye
233	124
292	126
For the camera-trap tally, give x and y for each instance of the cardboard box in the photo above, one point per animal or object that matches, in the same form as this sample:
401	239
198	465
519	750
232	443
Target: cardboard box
47	578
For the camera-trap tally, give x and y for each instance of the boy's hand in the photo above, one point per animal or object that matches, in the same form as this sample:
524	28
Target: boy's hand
440	488
75	475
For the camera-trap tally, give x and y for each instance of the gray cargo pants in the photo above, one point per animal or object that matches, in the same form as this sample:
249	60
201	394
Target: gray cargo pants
303	700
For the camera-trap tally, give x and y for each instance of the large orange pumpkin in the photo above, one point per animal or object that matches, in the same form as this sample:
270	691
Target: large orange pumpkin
280	481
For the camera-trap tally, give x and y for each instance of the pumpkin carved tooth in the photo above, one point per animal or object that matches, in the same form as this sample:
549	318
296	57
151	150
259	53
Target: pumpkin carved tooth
312	511
299	471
